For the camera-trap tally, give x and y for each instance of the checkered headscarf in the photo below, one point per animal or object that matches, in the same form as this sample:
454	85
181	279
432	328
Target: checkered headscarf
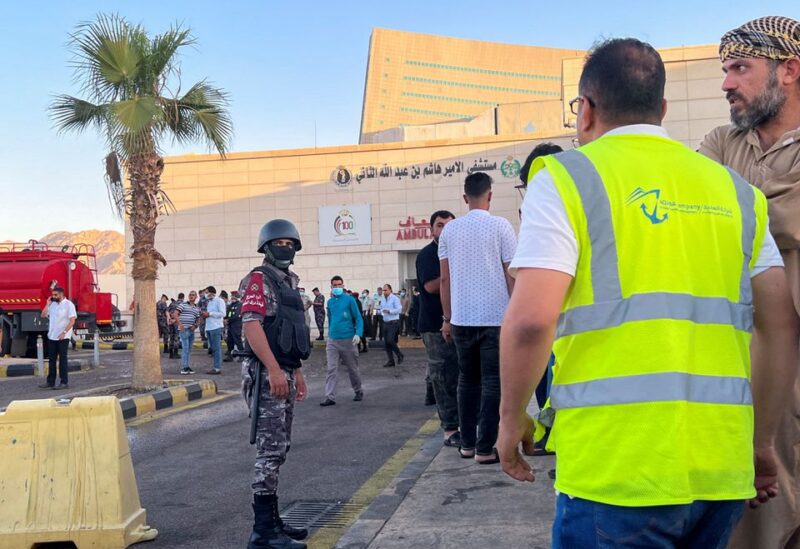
773	37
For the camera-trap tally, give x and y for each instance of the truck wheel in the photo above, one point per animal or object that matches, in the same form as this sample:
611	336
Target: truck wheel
5	348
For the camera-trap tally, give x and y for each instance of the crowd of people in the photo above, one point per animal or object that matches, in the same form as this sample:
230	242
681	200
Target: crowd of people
650	301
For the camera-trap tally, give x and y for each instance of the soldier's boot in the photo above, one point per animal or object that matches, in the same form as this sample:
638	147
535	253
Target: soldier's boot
267	532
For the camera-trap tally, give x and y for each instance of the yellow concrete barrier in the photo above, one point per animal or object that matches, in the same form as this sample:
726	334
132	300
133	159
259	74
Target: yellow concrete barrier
66	476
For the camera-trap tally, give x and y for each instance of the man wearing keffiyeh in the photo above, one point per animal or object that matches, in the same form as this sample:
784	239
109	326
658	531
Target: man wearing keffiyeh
761	61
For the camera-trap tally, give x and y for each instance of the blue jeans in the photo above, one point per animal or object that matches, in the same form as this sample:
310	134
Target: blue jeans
187	340
215	344
584	524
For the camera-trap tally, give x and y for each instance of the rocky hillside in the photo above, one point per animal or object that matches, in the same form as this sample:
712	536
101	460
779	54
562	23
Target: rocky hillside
109	246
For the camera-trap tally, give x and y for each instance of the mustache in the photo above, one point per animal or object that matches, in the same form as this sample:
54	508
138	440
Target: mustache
733	95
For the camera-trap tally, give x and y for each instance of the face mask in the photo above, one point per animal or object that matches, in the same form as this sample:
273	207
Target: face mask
402	294
280	256
338	291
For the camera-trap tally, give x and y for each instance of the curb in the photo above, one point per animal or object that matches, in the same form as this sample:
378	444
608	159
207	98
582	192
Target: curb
165	398
30	368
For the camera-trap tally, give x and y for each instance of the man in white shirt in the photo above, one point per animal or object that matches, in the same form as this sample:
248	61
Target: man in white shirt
62	315
215	313
390	307
474	253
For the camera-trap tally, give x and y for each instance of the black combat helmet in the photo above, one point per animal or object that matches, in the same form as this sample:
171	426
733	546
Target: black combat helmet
275	229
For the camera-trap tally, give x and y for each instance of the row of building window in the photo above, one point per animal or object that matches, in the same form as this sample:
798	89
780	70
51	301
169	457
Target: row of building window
482	71
480	86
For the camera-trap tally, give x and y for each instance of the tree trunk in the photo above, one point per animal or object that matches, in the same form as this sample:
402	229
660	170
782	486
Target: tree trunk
145	176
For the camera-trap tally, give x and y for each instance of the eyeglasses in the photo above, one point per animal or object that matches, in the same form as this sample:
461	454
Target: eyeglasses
575	103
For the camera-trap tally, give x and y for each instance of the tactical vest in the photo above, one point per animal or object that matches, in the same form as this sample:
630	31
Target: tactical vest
651	385
287	333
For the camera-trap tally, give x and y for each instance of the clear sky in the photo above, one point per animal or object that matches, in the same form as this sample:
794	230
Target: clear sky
287	66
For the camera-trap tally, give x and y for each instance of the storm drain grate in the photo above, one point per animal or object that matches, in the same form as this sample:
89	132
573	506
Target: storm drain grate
318	514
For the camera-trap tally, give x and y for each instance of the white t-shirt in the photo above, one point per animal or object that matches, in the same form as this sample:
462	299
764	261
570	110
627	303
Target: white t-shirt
59	315
546	238
476	246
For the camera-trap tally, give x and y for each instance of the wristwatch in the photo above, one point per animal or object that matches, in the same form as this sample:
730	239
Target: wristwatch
445	318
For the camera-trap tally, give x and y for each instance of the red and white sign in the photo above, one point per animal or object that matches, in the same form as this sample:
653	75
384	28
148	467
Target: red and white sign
410	229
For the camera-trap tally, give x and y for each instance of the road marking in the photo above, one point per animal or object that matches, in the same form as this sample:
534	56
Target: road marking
326	537
175	409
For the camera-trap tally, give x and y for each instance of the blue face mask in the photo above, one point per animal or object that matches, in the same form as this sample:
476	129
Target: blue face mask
402	294
338	291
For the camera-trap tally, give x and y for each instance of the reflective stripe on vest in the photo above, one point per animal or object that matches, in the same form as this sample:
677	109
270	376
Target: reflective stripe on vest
610	309
667	386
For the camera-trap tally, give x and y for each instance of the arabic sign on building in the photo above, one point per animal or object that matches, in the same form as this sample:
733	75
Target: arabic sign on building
436	171
349	225
411	229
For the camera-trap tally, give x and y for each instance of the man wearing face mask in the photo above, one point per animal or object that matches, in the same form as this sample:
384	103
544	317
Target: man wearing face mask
278	339
345	330
761	61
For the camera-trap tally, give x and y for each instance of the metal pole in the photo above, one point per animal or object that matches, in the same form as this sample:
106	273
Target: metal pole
40	355
96	349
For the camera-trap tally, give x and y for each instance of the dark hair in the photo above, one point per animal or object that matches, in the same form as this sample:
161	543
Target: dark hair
444	214
624	78
224	294
542	149
337	277
211	289
58	289
181	296
315	289
477	184
390	286
165	295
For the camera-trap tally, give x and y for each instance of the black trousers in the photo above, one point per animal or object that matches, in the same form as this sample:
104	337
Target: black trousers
391	330
377	327
234	339
58	350
478	349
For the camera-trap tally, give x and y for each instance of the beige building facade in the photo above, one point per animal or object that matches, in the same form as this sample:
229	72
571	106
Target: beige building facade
363	210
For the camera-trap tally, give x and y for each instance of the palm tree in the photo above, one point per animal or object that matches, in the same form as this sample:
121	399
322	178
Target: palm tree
125	76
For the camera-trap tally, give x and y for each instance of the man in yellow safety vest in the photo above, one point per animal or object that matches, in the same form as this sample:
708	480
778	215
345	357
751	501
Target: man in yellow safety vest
651	266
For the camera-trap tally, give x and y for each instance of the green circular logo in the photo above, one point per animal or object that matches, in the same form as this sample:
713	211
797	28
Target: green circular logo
510	167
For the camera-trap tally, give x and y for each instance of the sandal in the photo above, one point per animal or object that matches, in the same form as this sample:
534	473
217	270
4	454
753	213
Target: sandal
466	453
495	459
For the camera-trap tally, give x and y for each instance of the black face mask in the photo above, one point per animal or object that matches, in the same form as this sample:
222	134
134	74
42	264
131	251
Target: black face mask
280	256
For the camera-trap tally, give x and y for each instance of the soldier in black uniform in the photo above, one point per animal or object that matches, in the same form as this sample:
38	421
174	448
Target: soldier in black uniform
172	326
234	319
277	337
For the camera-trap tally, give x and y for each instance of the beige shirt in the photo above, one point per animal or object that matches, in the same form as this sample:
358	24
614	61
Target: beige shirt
776	172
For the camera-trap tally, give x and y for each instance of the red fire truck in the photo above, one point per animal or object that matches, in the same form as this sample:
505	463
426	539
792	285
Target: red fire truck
28	272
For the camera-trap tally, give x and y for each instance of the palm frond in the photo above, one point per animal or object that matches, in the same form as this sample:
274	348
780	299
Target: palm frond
161	59
201	113
73	114
107	54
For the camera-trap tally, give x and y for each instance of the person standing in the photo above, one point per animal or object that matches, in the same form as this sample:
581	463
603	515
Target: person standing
172	324
413	314
366	312
162	318
61	315
377	316
203	304
442	358
307	305
277	337
390	309
214	324
319	313
761	61
474	253
405	302
345	329
188	316
233	314
651	304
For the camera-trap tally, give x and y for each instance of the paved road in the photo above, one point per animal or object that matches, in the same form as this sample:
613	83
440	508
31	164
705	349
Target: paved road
194	467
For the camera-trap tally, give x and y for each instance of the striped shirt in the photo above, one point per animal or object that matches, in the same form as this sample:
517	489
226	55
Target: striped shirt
188	314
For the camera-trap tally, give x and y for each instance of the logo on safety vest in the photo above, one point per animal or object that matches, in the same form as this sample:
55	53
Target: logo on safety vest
649	201
658	209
